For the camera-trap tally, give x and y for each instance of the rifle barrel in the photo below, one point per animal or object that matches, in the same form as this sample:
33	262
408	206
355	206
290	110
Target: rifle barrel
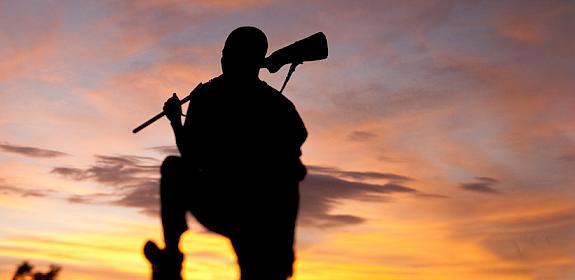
160	115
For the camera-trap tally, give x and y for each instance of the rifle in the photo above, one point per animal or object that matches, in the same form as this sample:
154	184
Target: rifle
311	48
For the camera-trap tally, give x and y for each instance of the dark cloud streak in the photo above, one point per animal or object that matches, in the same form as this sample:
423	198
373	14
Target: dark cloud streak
359	175
167	150
483	185
133	182
114	170
12	190
361	136
31	151
321	193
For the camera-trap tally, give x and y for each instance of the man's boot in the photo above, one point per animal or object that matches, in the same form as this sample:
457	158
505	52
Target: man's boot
165	265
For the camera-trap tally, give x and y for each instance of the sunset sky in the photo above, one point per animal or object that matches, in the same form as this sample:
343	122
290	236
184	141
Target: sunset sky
441	134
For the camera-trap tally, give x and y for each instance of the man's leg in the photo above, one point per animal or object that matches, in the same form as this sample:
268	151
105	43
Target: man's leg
173	205
167	263
264	245
263	257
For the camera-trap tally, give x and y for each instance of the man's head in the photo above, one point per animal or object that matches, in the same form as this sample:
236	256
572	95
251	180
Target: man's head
244	53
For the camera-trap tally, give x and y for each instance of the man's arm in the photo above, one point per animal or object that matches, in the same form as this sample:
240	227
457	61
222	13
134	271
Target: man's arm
295	129
173	111
297	134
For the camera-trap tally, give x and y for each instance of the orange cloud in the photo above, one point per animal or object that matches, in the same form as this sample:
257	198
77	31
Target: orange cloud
540	23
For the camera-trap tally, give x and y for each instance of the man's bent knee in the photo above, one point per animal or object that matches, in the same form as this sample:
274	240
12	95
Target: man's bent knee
170	165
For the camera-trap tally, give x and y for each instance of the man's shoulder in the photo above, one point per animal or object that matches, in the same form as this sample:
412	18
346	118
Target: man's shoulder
218	85
267	89
207	89
275	94
213	84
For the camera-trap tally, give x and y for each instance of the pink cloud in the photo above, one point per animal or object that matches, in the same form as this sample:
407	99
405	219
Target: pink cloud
543	23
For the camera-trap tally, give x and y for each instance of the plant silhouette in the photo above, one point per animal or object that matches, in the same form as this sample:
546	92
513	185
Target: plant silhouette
26	271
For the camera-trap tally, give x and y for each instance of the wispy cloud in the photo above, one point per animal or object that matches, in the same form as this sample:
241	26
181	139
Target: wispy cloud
131	181
114	170
358	175
361	136
31	151
167	150
320	194
6	189
533	241
134	182
482	185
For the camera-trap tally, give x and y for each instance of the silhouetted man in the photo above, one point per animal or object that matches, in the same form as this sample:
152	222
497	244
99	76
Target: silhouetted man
240	166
